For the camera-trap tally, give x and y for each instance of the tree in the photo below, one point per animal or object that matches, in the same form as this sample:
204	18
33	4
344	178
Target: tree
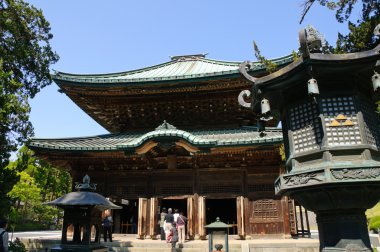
39	182
25	58
360	37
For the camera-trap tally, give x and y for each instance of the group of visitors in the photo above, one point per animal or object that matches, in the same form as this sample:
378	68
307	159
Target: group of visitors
173	226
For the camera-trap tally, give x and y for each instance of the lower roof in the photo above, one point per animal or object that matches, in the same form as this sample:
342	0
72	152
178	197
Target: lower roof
204	139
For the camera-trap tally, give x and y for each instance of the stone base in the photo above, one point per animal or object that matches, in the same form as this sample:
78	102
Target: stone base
79	248
344	230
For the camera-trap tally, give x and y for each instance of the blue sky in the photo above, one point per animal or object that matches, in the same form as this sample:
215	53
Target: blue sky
93	36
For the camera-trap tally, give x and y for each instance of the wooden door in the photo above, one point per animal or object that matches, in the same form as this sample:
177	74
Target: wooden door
266	217
141	226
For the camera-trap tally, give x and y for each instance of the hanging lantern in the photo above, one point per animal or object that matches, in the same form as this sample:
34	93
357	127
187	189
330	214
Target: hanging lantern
265	107
312	87
376	81
265	110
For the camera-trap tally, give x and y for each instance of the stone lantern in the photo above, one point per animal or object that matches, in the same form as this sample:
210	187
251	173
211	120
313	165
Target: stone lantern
218	236
83	211
331	137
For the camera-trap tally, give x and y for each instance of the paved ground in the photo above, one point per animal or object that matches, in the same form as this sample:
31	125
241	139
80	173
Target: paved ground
56	235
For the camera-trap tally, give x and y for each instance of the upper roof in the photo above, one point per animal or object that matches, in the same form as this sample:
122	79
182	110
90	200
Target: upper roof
183	67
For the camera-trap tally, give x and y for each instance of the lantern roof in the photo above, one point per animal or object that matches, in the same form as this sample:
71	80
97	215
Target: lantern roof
218	224
84	198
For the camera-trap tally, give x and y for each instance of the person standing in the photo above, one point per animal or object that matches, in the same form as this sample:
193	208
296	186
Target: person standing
181	226
107	228
3	235
174	236
162	222
176	214
169	220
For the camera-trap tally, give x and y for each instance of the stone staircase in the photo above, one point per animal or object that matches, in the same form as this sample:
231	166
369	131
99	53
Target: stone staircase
127	243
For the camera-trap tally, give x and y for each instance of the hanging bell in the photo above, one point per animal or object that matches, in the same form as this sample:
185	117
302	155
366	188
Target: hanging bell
376	81
312	87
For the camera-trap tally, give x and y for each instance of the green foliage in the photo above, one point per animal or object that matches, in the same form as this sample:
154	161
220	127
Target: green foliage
17	246
374	224
269	65
25	57
39	182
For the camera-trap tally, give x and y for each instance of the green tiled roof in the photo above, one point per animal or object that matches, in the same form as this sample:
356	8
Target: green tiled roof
179	68
244	136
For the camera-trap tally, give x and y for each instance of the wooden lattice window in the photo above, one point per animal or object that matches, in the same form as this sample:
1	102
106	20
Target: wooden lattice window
261	188
174	189
266	211
221	189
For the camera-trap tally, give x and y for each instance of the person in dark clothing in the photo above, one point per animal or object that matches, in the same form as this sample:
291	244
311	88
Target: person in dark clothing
3	235
107	228
174	235
169	219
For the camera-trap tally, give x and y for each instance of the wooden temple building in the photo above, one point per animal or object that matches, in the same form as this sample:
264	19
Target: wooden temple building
178	139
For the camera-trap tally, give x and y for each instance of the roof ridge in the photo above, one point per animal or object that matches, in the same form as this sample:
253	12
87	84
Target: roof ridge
174	60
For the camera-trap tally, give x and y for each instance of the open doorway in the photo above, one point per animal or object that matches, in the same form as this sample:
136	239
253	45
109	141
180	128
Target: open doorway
180	204
129	216
225	209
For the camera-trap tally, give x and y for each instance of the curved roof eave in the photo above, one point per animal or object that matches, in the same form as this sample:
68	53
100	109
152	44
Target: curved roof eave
201	139
319	59
176	70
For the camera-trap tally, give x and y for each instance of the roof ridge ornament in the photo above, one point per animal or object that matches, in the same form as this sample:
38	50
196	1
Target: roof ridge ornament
311	41
188	57
165	125
85	186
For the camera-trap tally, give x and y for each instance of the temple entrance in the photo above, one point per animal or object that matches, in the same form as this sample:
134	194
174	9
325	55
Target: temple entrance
225	209
129	216
180	204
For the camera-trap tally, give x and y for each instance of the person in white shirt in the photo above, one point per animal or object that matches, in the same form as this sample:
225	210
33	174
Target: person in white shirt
176	214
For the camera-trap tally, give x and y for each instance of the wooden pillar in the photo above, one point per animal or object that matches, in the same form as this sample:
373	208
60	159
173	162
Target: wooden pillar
241	215
153	218
287	216
141	225
190	217
201	217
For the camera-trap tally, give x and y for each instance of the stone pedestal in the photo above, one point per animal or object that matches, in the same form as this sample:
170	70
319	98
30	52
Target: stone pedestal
79	248
343	231
340	210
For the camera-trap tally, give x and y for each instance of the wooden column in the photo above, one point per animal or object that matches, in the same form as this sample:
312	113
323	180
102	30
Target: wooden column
201	217
153	218
190	217
141	225
241	212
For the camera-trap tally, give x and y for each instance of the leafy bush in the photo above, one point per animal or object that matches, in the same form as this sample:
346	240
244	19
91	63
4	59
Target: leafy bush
17	246
30	226
374	224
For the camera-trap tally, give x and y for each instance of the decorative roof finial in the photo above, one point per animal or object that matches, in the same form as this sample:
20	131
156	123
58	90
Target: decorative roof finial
165	126
85	186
